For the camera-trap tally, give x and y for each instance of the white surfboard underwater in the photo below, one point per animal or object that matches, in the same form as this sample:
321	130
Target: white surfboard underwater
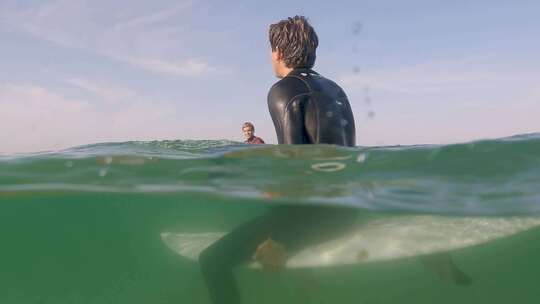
379	239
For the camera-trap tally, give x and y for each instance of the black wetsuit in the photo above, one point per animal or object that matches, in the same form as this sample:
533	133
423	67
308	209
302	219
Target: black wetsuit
309	109
306	109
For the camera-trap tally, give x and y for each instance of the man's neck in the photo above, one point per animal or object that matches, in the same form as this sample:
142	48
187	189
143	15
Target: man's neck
284	71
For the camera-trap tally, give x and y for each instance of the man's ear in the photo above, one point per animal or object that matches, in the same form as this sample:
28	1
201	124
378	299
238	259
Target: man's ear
278	55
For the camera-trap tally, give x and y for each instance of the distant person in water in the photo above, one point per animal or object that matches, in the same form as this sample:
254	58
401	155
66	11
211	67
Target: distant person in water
249	134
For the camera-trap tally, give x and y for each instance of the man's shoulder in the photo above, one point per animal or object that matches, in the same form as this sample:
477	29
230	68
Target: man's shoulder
286	88
255	140
330	87
258	140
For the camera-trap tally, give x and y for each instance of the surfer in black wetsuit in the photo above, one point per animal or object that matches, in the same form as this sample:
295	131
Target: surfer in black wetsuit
306	108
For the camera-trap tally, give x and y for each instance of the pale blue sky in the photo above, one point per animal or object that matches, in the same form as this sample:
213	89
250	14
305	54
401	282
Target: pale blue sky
77	72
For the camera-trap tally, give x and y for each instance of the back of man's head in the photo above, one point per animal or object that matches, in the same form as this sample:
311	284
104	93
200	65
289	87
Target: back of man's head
296	40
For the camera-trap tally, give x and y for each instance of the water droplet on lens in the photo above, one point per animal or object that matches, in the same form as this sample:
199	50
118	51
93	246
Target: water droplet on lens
357	28
367	90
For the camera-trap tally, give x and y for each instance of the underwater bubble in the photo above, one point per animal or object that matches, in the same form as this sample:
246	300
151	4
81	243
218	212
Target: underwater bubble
104	161
361	157
102	172
362	255
328	167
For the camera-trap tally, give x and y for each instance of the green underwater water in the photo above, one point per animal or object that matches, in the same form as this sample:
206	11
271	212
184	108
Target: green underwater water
83	225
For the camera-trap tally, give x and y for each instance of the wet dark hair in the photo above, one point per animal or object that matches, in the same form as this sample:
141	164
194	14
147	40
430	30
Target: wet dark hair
297	41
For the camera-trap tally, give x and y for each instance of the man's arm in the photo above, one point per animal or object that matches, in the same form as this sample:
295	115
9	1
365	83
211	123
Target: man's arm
286	109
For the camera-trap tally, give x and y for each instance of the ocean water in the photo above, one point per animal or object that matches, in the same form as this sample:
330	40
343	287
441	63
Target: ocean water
438	224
